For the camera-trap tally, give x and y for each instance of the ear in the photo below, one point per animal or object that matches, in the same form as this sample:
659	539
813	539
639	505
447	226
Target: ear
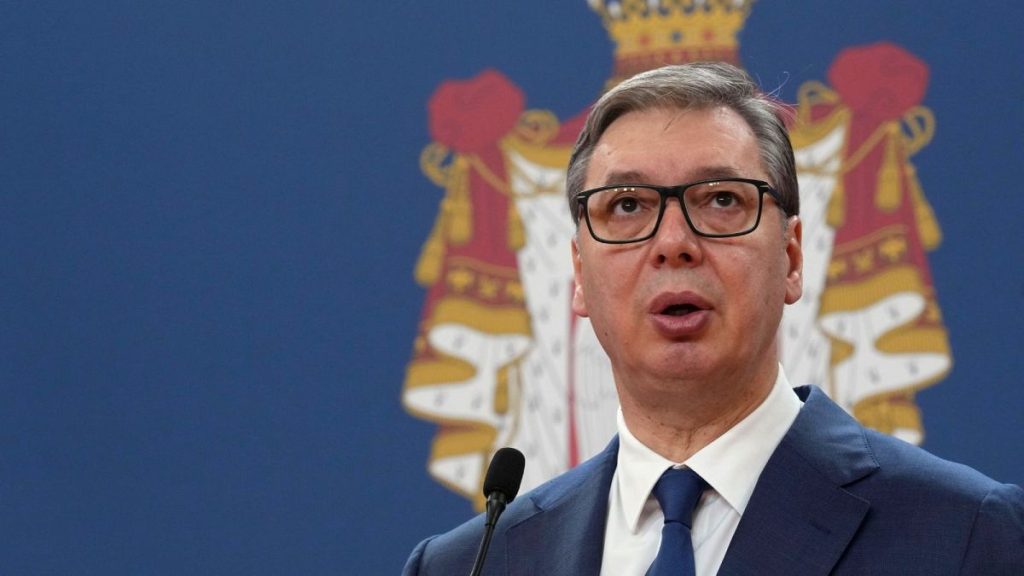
579	301
795	258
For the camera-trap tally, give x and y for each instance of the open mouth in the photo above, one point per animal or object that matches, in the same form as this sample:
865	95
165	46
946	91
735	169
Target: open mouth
680	315
679	309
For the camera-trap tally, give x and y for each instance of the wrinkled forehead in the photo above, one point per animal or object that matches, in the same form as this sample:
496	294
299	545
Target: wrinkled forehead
671	145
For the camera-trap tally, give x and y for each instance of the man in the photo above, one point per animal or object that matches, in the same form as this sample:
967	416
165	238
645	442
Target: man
683	187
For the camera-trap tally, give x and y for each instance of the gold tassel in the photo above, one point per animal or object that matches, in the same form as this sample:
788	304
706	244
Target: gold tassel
888	193
431	259
501	390
456	206
927	224
836	213
516	229
428	266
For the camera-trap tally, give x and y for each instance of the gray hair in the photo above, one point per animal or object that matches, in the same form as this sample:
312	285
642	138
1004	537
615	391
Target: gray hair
694	86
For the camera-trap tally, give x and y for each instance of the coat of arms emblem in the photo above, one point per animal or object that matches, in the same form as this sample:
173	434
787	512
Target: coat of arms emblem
499	358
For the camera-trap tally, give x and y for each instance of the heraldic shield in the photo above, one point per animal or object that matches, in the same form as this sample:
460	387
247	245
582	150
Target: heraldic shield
499	358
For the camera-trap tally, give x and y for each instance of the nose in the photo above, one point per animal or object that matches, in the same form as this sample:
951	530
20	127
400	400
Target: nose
676	244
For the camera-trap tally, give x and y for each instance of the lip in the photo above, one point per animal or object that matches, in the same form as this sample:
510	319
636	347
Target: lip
685	298
676	327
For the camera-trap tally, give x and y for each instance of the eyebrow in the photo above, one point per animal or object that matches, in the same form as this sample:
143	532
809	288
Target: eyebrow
705	173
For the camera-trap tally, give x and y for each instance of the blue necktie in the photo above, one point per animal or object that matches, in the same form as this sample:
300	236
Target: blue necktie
678	491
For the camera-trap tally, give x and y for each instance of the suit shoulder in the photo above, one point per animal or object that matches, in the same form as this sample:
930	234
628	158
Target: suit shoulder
904	464
983	519
447	553
454	551
912	492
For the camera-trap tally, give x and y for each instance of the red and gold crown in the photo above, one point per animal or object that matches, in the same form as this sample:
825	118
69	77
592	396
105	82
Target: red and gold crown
653	33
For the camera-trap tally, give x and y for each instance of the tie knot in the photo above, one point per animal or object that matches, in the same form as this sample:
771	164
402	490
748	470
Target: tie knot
678	491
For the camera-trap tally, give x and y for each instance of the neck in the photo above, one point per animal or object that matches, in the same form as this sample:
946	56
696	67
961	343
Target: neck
691	415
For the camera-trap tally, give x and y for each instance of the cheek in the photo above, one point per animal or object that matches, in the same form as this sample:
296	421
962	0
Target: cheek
753	281
608	296
600	293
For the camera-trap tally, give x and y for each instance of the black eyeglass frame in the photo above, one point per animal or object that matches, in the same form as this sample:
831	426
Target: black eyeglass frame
676	192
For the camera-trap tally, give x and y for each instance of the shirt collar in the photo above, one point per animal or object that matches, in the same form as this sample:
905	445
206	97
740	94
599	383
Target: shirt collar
731	464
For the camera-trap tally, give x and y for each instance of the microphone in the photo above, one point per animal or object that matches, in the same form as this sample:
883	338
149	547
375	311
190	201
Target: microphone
501	485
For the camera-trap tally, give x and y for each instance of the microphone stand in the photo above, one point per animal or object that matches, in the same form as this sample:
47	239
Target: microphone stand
495	506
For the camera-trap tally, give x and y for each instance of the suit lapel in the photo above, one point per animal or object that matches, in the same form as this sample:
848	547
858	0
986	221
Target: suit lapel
565	535
800	519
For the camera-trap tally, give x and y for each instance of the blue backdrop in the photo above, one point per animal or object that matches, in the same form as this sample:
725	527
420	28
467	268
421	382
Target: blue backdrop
210	213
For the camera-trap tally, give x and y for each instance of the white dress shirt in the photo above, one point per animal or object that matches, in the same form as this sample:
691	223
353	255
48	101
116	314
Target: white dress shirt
731	465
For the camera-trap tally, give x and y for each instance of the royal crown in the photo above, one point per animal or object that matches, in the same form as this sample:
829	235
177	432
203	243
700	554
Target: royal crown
652	33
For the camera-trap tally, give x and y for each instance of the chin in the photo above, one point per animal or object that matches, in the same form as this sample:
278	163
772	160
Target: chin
682	362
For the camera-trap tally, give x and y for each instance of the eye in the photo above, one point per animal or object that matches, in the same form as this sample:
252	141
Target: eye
628	201
625	204
724	199
721	196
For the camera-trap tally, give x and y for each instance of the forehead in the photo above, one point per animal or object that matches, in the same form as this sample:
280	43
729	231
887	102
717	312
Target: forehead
670	146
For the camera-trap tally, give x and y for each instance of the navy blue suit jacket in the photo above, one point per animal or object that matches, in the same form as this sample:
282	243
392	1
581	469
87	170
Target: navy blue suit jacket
835	498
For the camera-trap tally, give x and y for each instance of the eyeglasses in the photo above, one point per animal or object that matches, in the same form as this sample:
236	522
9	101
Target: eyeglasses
624	213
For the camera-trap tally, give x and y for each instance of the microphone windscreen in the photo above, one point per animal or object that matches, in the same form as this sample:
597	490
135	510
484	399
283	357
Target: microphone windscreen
505	473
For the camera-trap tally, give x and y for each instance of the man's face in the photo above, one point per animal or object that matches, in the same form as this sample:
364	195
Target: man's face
680	305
